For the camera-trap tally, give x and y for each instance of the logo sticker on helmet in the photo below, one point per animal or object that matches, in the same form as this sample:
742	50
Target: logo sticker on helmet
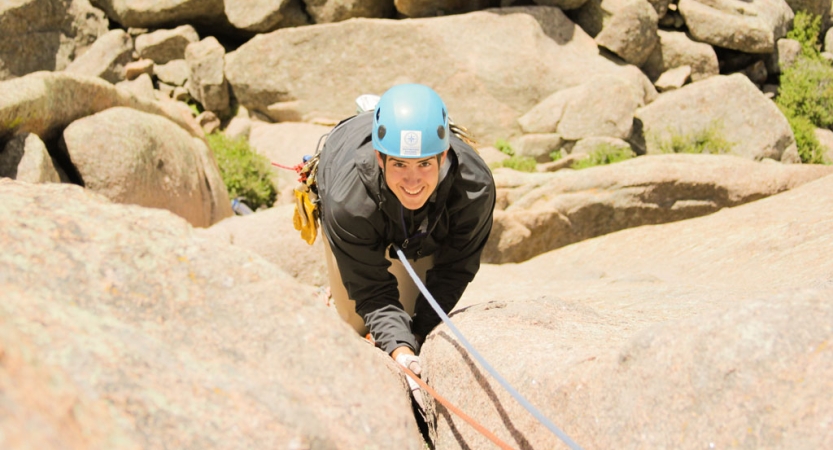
410	143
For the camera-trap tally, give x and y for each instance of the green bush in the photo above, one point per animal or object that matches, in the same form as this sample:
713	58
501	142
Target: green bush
602	155
246	173
806	30
504	147
520	163
709	140
806	92
809	149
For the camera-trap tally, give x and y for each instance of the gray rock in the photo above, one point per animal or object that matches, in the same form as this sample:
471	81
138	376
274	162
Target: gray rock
271	234
538	146
40	35
133	69
26	158
326	11
174	72
430	8
286	144
138	158
786	52
825	138
628	28
163	46
677	49
564	5
122	328
648	336
141	87
590	144
753	28
541	51
206	81
106	58
262	16
541	212
45	102
162	14
729	105
586	110
673	78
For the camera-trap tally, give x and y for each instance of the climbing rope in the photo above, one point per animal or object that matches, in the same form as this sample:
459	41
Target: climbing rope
520	399
491	436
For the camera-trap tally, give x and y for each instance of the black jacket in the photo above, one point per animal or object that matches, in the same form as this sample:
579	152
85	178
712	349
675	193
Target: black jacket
361	218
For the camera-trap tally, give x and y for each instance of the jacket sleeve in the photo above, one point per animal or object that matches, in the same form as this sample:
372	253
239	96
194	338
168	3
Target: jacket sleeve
470	209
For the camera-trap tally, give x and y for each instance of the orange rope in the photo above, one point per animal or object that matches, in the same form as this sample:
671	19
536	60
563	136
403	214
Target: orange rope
456	410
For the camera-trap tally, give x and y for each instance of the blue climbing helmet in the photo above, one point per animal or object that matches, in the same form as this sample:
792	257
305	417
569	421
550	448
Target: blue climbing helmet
410	121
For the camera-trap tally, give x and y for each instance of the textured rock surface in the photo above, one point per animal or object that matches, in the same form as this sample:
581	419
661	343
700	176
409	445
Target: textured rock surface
154	337
541	212
711	331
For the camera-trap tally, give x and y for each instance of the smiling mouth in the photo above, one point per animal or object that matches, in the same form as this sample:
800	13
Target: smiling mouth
413	192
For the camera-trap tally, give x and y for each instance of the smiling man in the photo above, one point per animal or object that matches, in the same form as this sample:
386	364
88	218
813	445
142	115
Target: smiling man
397	176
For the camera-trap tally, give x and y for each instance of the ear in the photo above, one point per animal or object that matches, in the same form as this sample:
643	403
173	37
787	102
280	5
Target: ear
380	160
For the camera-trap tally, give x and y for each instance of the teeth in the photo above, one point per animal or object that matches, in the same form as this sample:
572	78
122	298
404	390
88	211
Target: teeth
414	192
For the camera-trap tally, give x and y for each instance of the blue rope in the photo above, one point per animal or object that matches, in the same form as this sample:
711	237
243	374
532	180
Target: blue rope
523	401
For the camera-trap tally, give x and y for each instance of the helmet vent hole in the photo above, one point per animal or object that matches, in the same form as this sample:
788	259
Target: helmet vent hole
441	132
381	132
378	111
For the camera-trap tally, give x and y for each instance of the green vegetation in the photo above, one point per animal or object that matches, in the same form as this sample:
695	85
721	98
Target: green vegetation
515	162
806	93
602	155
246	173
556	155
504	147
709	140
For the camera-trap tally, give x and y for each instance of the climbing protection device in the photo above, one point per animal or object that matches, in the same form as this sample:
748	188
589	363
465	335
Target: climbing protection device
483	363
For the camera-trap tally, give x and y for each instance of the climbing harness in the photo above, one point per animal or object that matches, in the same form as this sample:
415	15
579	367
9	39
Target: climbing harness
305	218
483	363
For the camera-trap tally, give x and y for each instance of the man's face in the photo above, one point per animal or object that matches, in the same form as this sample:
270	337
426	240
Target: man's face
411	180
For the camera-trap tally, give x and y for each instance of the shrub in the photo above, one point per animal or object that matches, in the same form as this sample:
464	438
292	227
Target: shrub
602	155
520	163
504	147
809	149
806	92
246	173
709	140
806	30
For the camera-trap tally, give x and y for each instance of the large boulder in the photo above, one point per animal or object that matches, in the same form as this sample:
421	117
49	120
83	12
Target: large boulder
754	27
541	212
151	14
288	74
164	46
628	28
261	16
40	35
106	58
120	328
271	234
207	82
677	49
586	110
139	158
326	11
45	102
709	332
26	158
286	144
729	107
